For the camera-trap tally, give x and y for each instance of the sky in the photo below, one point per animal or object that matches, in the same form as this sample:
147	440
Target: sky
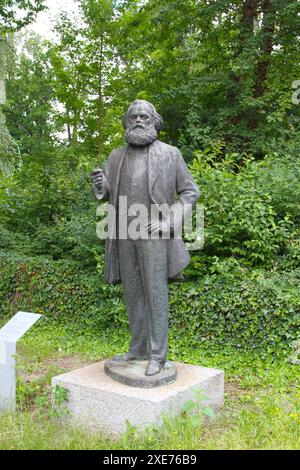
42	25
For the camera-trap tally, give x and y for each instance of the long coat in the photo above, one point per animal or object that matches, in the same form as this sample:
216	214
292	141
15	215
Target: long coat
168	176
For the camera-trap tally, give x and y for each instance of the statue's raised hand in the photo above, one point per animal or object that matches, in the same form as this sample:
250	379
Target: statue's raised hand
98	178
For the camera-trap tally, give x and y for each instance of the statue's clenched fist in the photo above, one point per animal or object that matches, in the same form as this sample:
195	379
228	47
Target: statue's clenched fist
98	178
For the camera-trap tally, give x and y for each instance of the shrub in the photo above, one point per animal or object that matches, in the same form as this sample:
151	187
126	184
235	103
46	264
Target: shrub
251	212
231	305
253	310
61	290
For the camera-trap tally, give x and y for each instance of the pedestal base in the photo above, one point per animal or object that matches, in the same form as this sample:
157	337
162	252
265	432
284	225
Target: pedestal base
132	373
100	403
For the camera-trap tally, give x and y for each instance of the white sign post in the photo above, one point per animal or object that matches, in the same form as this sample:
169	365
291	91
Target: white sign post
9	335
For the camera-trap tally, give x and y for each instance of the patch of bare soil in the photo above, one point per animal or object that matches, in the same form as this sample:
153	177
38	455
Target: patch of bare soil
233	389
56	364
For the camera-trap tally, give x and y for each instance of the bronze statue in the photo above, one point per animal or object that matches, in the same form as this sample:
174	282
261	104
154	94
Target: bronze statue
150	173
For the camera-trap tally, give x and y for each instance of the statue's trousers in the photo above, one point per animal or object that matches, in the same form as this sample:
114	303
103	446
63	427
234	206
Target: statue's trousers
143	270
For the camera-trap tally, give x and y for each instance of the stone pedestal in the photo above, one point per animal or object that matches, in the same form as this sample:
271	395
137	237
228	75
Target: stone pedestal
98	402
133	373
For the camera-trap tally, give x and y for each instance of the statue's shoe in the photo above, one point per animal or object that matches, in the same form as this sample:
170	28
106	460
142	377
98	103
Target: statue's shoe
154	367
129	357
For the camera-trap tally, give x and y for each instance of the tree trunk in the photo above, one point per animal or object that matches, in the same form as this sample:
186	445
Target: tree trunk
74	139
249	13
76	121
268	27
69	129
100	99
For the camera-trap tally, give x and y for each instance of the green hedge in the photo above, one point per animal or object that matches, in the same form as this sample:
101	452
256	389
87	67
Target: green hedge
252	212
253	310
61	290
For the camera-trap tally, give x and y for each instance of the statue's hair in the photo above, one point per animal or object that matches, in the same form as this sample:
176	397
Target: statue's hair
158	120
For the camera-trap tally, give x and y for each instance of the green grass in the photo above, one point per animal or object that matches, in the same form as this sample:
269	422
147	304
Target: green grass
261	409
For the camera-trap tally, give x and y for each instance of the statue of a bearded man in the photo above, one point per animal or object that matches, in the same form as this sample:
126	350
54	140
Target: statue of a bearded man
151	174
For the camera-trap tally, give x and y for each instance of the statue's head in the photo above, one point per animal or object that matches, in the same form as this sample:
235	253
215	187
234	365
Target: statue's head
142	123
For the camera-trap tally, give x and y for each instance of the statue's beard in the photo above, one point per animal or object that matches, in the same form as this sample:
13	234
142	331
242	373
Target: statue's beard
140	136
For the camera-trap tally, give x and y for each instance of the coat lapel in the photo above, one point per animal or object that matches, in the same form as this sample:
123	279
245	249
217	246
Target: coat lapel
153	165
118	170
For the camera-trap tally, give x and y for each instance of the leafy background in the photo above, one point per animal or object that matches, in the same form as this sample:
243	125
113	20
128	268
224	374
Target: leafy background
221	74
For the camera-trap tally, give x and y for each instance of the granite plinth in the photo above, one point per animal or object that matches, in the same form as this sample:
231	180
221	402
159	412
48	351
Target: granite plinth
99	403
132	373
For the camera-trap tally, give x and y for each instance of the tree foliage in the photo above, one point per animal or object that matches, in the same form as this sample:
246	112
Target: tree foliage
29	117
15	14
216	68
